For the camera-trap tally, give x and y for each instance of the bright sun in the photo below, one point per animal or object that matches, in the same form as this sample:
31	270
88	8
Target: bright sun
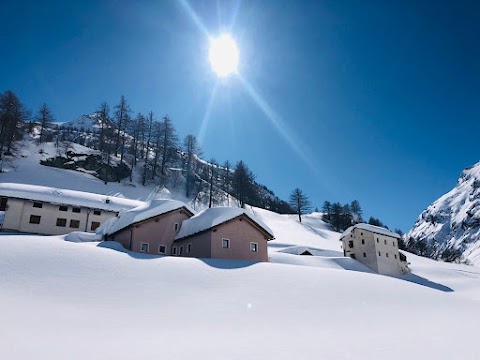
223	55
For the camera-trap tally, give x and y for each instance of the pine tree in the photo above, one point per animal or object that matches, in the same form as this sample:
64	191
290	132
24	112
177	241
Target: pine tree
148	136
12	113
191	149
213	175
300	203
356	211
243	184
121	112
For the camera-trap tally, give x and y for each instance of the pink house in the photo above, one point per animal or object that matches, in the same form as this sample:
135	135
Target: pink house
149	228
223	233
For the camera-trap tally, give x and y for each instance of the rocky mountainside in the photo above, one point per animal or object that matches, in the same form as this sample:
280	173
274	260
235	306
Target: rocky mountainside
87	122
449	228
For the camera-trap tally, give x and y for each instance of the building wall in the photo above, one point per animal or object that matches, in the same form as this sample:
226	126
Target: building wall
200	245
17	217
239	231
379	253
156	231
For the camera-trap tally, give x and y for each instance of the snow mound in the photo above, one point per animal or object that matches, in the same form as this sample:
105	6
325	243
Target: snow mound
80	236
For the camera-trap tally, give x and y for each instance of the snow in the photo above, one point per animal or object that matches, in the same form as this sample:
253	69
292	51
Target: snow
64	300
63	196
141	213
371	228
84	299
212	217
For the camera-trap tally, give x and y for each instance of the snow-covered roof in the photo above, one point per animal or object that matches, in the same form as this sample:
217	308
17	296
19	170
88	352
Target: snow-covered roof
143	212
212	217
371	228
67	197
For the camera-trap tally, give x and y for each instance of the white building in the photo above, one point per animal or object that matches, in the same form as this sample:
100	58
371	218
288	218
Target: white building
46	210
375	247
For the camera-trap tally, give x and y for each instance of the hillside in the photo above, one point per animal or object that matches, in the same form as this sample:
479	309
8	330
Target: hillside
450	227
83	300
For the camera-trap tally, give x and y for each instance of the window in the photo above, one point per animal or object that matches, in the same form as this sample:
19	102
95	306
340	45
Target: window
94	225
363	241
37	204
76	209
34	219
144	247
63	208
181	250
377	240
176	226
395	256
393	242
75	224
361	234
385	241
350	244
379	254
364	254
189	248
253	247
225	243
352	256
97	212
386	254
174	250
162	249
61	222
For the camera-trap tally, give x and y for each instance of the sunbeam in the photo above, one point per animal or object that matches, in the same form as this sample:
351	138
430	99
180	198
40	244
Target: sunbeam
193	15
279	124
206	116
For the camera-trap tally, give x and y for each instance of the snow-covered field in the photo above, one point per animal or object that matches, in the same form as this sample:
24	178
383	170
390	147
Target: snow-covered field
92	300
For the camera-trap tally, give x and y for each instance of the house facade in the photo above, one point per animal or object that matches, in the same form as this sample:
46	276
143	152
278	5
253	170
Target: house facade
51	211
223	233
149	228
375	247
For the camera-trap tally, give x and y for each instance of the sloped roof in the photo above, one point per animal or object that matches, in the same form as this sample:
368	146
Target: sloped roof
143	212
67	197
371	228
212	217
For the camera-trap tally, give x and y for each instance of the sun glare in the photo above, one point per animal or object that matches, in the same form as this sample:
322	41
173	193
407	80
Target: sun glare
223	55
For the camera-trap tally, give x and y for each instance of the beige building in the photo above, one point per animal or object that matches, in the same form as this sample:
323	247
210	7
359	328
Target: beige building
150	228
375	247
51	211
223	233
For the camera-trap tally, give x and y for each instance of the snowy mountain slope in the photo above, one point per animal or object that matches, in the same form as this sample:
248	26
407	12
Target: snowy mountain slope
450	227
64	300
87	122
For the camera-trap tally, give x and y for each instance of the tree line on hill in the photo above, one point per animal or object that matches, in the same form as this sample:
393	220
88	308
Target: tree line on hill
142	142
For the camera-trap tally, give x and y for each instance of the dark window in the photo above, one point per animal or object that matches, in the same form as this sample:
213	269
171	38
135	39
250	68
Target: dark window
3	203
189	248
385	241
63	208
364	254
75	224
176	226
379	254
386	254
363	241
361	234
162	249
144	247
395	256
94	225
97	212
352	256
37	204
350	244
253	247
377	240
181	250
225	243
76	209
174	251
34	219
61	222
393	243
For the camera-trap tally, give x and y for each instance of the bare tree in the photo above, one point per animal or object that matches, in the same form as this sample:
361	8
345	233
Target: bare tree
191	149
148	136
45	118
300	202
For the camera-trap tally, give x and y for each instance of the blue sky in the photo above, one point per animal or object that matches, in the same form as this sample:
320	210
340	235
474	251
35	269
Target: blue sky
370	100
